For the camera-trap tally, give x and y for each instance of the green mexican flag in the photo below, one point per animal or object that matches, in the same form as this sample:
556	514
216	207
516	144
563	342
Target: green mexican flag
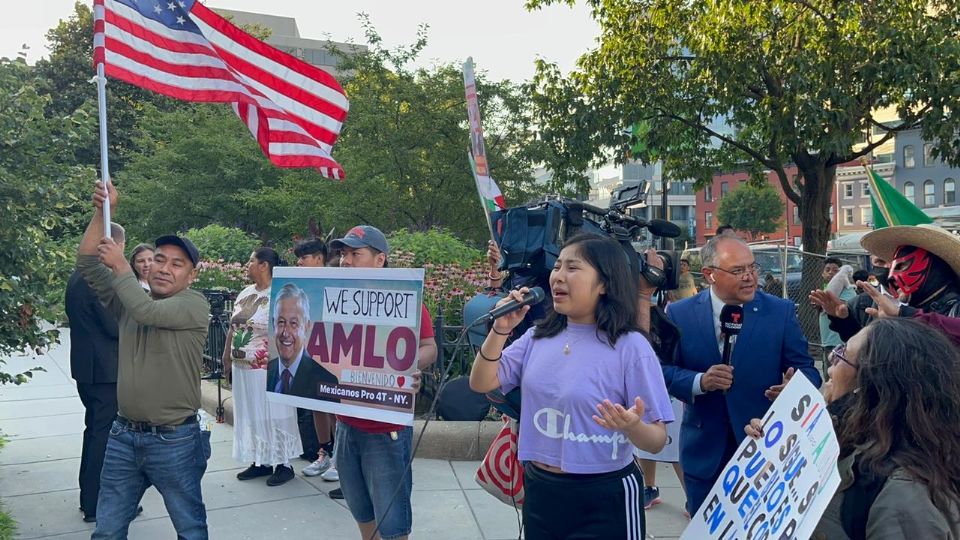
890	208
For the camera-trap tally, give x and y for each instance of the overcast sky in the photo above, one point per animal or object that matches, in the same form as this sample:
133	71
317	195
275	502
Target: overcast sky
502	36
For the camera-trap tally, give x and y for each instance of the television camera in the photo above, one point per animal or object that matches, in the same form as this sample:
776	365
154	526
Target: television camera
530	236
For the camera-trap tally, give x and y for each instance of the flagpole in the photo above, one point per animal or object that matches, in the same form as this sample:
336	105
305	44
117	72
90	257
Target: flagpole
875	192
476	184
104	165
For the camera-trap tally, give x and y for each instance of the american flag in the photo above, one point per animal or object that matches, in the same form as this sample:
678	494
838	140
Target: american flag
182	49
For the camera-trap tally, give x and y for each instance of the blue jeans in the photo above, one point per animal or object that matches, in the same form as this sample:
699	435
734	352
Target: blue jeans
372	466
173	461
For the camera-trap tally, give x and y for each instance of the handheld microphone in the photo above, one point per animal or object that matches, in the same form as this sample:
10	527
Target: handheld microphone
731	321
533	296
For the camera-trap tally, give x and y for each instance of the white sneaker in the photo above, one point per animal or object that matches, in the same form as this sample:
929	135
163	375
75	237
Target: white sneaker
318	467
331	475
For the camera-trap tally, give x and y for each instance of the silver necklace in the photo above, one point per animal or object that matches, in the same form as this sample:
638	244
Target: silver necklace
566	346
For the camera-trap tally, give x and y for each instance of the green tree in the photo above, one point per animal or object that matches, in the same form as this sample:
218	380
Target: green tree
793	82
755	209
192	168
219	243
41	201
66	74
404	149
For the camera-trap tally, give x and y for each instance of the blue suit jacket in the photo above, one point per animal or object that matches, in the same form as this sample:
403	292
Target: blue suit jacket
770	342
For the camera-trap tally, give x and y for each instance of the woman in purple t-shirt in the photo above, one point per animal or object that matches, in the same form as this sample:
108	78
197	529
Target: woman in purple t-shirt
592	390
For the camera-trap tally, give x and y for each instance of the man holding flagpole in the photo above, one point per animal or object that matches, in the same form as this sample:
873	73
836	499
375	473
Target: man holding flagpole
156	439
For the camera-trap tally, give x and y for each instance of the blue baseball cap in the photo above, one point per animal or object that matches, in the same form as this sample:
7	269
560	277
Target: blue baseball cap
363	236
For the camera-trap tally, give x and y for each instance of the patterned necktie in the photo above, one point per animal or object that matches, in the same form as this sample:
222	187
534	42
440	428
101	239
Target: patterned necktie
285	382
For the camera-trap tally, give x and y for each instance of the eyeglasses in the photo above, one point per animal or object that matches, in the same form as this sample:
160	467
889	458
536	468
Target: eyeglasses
741	271
839	355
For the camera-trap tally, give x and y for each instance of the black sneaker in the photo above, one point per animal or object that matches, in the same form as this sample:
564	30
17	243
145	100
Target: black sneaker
255	471
336	494
281	475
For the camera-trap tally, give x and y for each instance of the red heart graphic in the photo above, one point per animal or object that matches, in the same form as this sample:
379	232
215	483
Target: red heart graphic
400	381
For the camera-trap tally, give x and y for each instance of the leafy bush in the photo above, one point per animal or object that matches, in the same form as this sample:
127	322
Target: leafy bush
454	271
229	276
225	244
446	287
436	246
41	199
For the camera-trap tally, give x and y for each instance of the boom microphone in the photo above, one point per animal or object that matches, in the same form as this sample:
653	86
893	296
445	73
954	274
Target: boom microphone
533	296
664	228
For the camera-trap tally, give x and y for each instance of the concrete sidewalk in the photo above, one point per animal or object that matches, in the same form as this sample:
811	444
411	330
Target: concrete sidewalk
43	421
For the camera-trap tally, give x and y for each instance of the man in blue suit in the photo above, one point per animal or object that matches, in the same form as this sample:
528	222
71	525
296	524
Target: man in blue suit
721	399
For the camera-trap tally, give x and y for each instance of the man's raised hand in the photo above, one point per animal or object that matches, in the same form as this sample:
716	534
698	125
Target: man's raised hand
100	195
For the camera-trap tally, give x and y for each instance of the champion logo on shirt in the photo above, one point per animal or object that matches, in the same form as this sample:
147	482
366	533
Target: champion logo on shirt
547	422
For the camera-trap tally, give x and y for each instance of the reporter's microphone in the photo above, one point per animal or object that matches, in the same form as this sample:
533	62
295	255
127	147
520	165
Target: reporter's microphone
533	296
731	321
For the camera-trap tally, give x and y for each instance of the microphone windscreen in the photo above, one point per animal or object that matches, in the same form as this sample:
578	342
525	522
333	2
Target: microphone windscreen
537	295
664	228
731	320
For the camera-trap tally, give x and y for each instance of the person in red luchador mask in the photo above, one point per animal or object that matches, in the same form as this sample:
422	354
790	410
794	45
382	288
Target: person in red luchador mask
923	280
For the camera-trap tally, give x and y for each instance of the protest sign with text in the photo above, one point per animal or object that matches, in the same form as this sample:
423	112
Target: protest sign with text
778	486
346	340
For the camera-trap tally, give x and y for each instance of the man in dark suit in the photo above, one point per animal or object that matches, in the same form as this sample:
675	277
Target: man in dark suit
93	364
293	372
721	399
306	375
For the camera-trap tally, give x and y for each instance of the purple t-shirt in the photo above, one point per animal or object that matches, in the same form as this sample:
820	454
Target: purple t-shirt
561	393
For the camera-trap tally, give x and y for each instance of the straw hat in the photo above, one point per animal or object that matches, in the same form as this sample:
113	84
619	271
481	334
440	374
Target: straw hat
884	242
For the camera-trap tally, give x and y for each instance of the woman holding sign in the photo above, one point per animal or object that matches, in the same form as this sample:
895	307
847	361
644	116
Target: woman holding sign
899	437
592	388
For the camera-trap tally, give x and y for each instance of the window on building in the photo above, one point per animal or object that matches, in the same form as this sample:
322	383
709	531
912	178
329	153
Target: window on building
848	216
908	192
928	160
708	194
908	160
724	188
708	220
866	215
949	191
929	193
864	189
848	190
796	215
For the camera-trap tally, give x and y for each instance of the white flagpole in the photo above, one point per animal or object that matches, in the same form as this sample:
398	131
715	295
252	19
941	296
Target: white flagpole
104	166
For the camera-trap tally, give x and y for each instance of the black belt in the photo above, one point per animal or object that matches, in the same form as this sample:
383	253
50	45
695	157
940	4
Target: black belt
133	425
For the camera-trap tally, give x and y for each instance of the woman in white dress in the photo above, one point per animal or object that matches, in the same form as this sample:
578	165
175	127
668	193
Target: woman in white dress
264	433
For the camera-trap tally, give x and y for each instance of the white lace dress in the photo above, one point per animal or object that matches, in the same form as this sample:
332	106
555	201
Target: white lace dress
264	433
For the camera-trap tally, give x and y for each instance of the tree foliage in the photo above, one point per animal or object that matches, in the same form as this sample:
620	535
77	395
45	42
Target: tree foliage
755	209
41	199
67	74
223	244
404	149
192	168
758	84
